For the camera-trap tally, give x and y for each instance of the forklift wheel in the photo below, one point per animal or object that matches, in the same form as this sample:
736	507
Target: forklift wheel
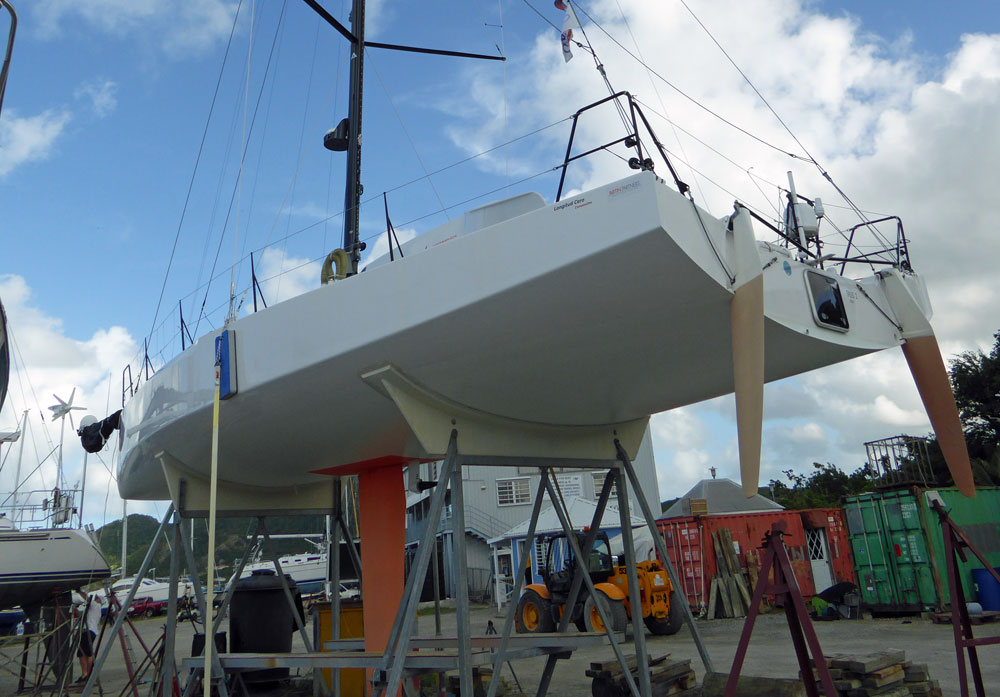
671	625
614	609
534	614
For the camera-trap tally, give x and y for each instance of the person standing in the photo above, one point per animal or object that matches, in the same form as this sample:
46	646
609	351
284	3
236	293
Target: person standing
88	632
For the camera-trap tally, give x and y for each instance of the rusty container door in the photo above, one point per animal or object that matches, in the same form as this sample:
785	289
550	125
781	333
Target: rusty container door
687	553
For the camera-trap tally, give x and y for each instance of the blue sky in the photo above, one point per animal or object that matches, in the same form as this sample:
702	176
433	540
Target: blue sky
107	103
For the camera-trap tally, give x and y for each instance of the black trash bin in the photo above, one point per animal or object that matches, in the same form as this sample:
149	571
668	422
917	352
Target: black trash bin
261	621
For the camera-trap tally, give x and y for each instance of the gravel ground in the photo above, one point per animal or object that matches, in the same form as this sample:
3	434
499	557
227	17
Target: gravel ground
770	653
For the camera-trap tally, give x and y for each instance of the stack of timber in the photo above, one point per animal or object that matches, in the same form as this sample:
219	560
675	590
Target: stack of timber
481	677
729	594
753	686
984	617
881	674
666	677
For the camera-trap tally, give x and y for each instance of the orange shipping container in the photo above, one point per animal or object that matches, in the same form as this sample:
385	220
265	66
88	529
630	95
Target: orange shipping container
816	540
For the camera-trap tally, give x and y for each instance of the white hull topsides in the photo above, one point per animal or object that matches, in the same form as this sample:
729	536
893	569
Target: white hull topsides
606	307
34	564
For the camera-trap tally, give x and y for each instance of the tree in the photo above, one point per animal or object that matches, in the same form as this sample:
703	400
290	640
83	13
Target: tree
826	487
975	378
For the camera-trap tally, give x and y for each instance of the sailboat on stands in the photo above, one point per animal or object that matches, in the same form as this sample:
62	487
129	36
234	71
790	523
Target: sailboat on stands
42	553
531	318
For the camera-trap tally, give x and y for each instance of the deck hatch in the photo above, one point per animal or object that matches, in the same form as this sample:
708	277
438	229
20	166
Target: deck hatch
827	302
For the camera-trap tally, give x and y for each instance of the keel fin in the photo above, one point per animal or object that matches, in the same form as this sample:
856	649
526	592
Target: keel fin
927	367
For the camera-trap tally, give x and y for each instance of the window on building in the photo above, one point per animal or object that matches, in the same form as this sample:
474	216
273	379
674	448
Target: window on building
511	492
599	484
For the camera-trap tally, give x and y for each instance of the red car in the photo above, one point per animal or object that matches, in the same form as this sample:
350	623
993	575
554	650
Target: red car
147	607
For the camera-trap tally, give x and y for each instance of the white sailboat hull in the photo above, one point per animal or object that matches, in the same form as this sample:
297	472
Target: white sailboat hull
35	564
157	591
603	308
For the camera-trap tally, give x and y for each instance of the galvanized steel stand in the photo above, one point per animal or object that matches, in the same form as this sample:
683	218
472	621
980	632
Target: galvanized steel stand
955	543
803	634
387	678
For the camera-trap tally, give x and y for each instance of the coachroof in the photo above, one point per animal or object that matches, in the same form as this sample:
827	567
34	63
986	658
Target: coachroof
723	496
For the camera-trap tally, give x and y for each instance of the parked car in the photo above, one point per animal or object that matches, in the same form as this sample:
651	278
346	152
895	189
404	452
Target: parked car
147	607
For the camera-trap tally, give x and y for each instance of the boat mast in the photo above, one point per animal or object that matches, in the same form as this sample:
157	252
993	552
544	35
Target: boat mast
353	188
10	49
334	140
17	475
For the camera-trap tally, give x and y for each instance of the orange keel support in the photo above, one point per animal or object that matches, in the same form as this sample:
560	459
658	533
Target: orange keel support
383	539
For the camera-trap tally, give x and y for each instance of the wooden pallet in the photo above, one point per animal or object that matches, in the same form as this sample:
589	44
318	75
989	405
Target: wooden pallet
987	617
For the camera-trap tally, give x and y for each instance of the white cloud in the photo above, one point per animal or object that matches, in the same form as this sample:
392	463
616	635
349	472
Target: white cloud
103	95
179	28
46	361
282	277
381	245
29	138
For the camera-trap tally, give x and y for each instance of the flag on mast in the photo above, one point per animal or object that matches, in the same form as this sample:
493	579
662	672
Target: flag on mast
570	22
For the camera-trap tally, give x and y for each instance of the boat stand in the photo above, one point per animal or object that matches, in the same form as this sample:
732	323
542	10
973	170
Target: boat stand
55	649
785	587
168	664
406	655
955	544
397	659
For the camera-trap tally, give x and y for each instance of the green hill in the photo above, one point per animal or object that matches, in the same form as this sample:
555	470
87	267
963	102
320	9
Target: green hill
230	540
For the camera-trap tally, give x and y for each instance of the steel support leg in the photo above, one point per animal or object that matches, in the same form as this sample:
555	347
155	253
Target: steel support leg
585	573
577	584
300	625
522	566
803	634
334	559
460	569
959	620
661	550
352	549
634	599
206	613
123	613
388	676
169	663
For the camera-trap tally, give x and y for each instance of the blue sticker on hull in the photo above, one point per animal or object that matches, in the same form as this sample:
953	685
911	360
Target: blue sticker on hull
225	359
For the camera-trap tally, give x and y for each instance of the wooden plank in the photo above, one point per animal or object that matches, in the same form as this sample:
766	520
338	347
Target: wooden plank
868	663
751	686
630	661
727	603
712	594
744	592
734	597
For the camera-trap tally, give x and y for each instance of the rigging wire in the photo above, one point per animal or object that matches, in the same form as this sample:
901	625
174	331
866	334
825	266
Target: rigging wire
268	243
243	147
329	170
690	98
402	125
302	136
243	154
201	148
502	48
822	170
659	97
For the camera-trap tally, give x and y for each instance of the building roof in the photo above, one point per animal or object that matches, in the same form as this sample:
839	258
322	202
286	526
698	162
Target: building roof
722	496
581	515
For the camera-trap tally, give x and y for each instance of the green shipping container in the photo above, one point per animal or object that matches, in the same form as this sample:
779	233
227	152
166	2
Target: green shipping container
899	549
